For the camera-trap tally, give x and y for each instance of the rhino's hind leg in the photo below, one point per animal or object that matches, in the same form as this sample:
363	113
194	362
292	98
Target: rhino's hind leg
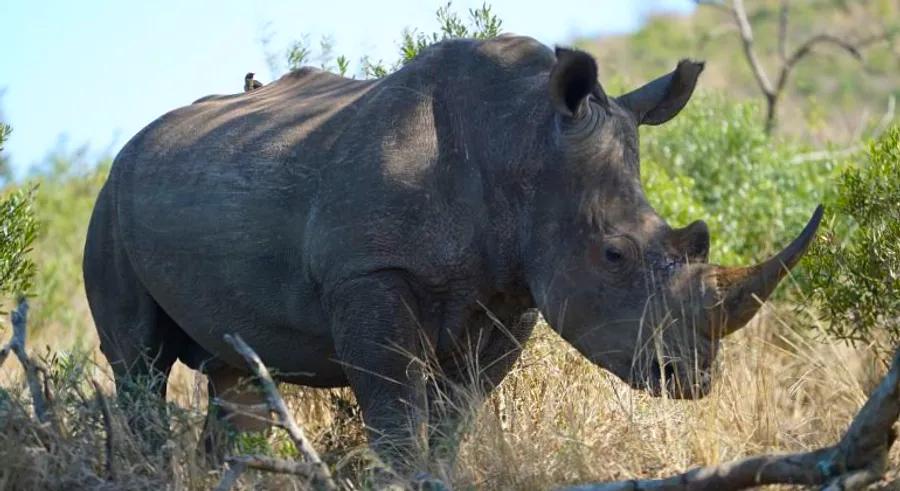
236	404
139	340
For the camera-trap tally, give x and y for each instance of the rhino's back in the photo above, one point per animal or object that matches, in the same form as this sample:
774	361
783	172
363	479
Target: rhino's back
240	132
211	203
225	169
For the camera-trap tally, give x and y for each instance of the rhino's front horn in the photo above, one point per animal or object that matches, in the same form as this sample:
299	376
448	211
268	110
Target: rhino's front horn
742	290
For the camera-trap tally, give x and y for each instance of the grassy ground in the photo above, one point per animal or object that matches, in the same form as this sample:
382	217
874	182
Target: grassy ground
556	419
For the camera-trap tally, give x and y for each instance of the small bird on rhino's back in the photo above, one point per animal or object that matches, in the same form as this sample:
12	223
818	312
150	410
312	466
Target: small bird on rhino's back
251	84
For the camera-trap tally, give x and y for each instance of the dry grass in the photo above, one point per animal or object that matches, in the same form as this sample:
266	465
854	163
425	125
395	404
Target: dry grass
556	419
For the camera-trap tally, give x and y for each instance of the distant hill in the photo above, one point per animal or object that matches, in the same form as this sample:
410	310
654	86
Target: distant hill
830	98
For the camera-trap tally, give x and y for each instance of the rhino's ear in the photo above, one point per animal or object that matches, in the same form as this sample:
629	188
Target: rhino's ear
572	80
661	99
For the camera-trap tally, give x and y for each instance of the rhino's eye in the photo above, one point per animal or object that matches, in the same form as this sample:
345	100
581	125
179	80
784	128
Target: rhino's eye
613	255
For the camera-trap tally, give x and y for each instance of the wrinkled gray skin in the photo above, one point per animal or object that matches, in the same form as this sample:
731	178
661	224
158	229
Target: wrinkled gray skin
346	229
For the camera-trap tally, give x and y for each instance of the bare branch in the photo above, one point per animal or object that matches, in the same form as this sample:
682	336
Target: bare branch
858	460
278	406
257	412
746	31
19	319
782	29
806	48
249	410
237	466
821	155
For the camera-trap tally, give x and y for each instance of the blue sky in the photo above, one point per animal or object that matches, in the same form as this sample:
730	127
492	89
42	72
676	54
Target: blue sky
95	72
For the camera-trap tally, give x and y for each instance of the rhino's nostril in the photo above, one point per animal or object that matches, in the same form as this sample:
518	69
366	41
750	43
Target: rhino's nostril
667	373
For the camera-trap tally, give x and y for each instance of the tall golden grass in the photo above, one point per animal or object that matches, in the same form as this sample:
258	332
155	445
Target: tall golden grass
556	419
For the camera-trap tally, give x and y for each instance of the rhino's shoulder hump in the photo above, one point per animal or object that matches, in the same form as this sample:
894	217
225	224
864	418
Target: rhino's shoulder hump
518	51
508	52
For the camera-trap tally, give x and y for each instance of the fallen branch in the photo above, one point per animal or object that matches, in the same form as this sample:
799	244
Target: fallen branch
237	466
857	460
314	467
19	319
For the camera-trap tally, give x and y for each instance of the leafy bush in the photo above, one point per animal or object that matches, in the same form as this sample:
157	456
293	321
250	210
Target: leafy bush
855	264
18	230
481	23
5	168
714	162
69	186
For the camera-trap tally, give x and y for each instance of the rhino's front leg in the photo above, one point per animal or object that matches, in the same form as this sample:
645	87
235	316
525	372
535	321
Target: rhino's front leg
470	377
379	342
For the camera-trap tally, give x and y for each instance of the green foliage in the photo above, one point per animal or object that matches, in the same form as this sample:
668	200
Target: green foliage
376	69
298	53
481	23
252	443
5	130
855	264
5	169
69	186
18	230
714	162
343	65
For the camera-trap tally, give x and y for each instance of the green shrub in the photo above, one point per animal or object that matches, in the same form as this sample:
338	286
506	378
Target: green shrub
481	23
714	162
855	264
18	230
69	186
5	168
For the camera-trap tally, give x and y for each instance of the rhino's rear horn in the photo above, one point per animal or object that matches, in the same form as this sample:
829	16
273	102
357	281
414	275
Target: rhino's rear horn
692	241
